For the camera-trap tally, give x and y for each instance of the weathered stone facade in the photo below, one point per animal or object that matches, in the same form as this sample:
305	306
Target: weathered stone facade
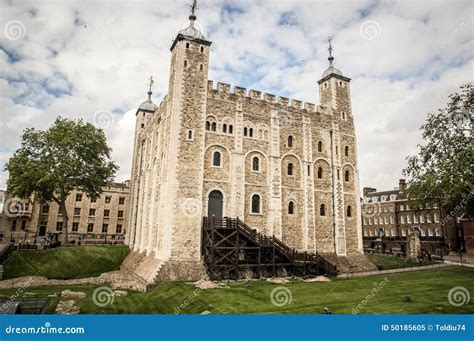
285	167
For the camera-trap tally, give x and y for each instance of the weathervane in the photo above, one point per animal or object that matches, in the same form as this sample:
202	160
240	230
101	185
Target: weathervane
150	85
330	49
193	8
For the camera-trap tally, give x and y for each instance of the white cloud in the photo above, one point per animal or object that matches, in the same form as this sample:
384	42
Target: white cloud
78	58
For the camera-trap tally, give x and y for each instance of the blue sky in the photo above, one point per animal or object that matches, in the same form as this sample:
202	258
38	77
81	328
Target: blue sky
92	59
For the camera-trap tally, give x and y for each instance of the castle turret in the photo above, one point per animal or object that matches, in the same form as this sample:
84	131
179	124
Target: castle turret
334	90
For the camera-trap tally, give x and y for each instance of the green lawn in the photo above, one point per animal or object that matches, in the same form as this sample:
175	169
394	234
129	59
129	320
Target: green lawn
418	292
384	262
65	262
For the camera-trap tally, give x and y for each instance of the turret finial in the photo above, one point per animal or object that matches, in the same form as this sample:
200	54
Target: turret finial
330	49
192	16
150	85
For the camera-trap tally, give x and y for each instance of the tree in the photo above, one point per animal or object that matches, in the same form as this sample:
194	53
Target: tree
443	170
50	164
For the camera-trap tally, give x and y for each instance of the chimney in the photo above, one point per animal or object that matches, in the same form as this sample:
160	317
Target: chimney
367	190
402	185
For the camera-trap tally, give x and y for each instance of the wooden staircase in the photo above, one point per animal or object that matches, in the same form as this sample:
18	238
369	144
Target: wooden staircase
233	250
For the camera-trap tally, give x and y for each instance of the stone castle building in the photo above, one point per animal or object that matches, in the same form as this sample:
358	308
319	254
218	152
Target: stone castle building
285	167
90	221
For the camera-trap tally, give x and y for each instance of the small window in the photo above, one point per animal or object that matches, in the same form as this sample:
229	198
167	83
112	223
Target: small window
290	141
213	126
255	164
77	211
309	170
320	146
59	226
346	150
251	132
90	227
92	212
108	199
75	227
290	169
291	207
190	134
121	200
245	131
142	125
231	129
45	209
216	159
185	64
224	128
343	115
255	203
320	172
349	211
118	229
208	125
79	197
347	175
93	200
120	214
201	67
202	49
105	227
106	213
322	210
187	45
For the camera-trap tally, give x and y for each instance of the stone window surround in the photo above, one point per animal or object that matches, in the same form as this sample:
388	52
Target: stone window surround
260	202
220	159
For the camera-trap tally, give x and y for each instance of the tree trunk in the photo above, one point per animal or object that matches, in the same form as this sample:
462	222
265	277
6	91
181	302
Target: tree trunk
62	208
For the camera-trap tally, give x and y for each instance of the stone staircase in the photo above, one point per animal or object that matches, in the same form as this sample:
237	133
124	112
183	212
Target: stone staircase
144	268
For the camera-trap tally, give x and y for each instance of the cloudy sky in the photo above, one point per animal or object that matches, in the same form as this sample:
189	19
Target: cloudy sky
91	59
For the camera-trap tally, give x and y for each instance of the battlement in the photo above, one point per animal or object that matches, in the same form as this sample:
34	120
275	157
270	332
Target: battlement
265	97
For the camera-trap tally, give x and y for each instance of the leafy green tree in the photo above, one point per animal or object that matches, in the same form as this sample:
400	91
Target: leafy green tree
443	171
50	164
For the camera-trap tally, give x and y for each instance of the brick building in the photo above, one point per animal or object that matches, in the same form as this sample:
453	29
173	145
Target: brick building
387	216
285	167
105	217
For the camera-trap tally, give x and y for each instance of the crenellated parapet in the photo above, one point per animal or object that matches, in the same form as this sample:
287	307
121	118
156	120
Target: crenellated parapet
250	94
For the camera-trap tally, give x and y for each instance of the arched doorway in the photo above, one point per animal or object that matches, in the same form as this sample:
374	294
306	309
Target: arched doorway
214	209
42	230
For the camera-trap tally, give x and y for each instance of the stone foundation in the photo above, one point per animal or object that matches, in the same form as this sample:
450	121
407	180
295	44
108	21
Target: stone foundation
150	271
353	262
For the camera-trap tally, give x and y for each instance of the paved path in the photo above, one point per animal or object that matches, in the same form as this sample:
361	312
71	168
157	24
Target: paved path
392	271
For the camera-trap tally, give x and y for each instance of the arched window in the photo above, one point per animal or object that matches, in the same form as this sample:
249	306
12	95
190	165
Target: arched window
208	125
231	129
213	126
251	132
190	134
201	67
290	169
187	45
349	211
347	175
291	207
309	170
346	150
322	210
245	131
320	146
320	172
185	64
290	141
216	159
255	164
255	203
224	128
343	115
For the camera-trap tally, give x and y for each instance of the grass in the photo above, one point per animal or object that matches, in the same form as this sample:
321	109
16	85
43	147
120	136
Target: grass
384	262
417	292
65	262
